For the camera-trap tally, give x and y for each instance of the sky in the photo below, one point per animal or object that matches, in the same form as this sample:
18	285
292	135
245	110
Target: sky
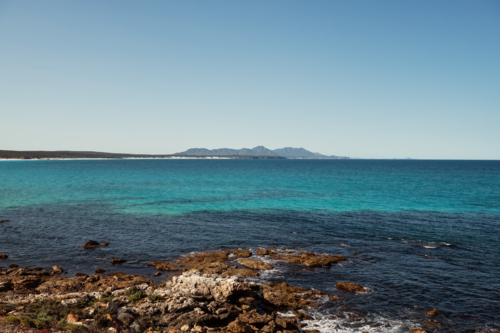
365	79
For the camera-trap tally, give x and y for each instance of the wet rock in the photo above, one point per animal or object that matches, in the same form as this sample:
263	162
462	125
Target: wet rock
432	322
81	274
100	271
13	266
265	252
4	221
57	269
432	312
165	266
308	259
284	296
255	264
286	323
38	269
350	287
417	330
241	253
91	244
3	256
245	272
118	261
302	316
335	298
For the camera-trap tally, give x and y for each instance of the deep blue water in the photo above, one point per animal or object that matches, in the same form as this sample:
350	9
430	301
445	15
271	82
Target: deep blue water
426	233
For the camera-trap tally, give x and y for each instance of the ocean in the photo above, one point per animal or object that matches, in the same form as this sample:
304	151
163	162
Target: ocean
426	233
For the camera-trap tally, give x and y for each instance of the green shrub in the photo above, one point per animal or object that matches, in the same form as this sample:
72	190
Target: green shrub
136	297
43	317
107	296
154	298
12	320
62	324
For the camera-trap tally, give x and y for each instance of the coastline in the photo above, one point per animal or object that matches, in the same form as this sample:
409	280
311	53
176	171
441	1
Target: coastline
221	291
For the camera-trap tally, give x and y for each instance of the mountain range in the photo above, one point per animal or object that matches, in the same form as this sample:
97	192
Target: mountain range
288	152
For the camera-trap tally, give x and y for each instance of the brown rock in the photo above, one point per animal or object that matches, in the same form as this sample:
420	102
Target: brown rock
91	244
350	287
285	296
302	316
99	270
238	326
335	298
81	274
104	244
13	266
264	252
255	264
165	266
242	253
314	331
3	256
72	318
432	312
417	330
286	323
245	272
432	322
57	269
3	221
38	269
254	318
308	259
118	261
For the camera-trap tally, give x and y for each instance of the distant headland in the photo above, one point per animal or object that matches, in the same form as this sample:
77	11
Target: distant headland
287	152
259	152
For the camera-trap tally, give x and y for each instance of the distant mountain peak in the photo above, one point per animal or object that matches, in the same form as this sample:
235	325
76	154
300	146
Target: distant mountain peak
288	152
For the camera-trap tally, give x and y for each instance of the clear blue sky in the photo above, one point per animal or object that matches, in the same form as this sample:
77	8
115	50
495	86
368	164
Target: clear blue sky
372	79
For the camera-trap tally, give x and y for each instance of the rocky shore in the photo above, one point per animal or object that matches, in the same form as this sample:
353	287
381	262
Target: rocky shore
208	292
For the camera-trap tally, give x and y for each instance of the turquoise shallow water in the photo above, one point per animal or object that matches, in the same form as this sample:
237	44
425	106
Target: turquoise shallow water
426	233
181	186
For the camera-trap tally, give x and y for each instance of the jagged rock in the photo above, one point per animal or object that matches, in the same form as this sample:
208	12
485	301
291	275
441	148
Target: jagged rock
197	284
245	272
4	286
165	266
118	261
91	244
241	253
286	323
335	298
432	322
284	296
255	264
432	312
57	269
350	287
264	252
